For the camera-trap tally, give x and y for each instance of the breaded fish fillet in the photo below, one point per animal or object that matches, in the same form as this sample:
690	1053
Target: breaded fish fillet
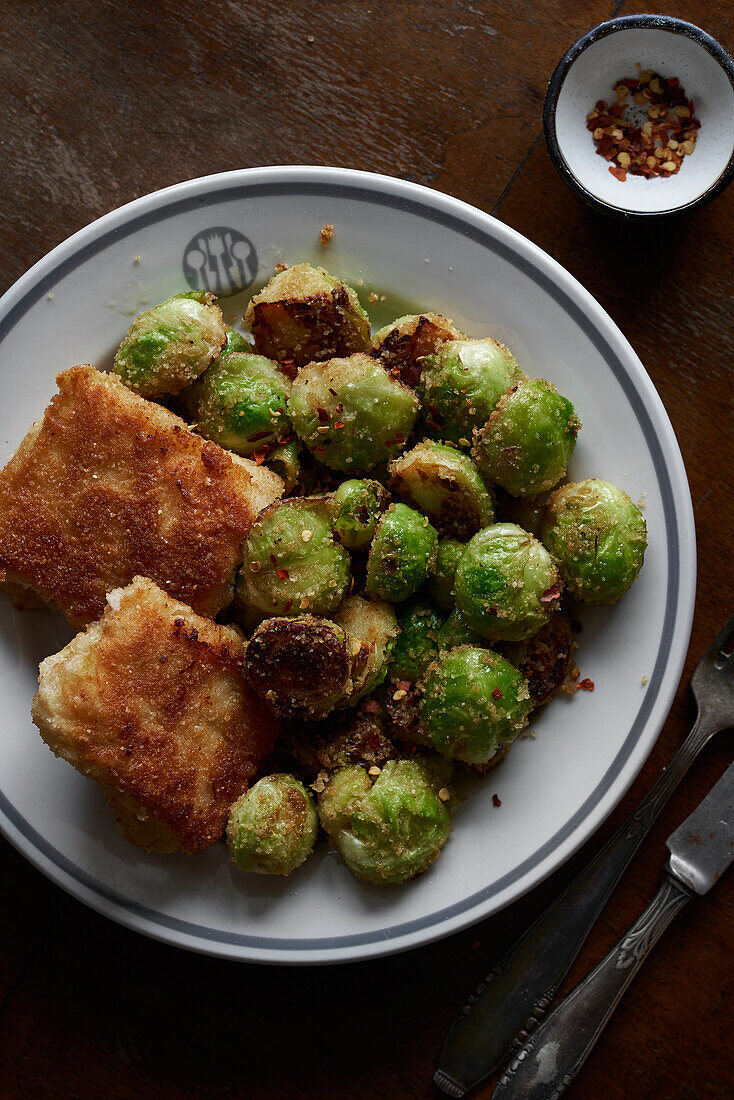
108	485
152	703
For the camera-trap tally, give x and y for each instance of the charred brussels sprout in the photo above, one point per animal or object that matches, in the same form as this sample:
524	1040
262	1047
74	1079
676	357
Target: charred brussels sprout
301	667
402	554
441	583
170	346
234	341
444	485
402	346
545	659
417	645
242	403
527	441
507	584
345	737
350	413
461	385
305	315
474	702
358	508
292	562
272	828
373	625
598	538
388	831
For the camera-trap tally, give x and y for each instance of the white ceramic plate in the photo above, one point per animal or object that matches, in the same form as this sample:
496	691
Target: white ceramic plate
74	306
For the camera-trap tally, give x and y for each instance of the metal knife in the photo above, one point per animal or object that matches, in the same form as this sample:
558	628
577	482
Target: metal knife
701	849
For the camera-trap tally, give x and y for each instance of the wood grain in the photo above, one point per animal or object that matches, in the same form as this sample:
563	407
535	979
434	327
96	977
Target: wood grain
103	101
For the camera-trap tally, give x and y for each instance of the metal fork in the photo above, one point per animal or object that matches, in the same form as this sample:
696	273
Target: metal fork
508	1004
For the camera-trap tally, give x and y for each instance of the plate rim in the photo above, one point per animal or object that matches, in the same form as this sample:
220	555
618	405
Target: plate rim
431	203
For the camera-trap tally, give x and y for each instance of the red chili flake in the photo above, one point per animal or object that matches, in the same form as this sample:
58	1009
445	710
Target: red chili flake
618	173
257	435
586	684
260	456
288	368
551	594
372	707
404	685
273	559
283	574
496	801
338	424
496	694
433	425
288	606
331	391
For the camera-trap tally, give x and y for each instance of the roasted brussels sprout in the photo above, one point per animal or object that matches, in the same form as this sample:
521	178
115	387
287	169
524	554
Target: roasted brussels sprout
273	827
461	385
417	645
306	315
444	485
545	659
344	737
474	701
234	342
373	624
441	583
292	562
359	505
403	345
527	441
242	403
402	554
169	346
283	459
455	632
506	584
388	831
598	538
350	413
301	667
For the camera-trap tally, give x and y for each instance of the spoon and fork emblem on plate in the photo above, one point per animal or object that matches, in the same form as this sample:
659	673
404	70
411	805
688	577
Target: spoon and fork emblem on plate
221	260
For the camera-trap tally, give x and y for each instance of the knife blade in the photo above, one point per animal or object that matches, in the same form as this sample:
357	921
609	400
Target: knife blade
701	849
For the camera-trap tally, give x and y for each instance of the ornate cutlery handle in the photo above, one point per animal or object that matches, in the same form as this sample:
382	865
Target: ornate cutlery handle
551	1058
514	997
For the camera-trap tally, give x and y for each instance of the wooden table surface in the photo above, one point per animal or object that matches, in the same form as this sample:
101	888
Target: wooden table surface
101	102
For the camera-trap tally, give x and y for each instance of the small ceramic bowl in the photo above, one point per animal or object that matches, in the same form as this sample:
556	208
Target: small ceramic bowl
588	72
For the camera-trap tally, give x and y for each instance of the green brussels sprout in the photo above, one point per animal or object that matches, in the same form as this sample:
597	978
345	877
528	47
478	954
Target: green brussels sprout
441	583
374	626
461	385
359	506
272	828
350	413
474	702
506	584
242	403
402	346
306	315
444	485
388	831
598	538
301	667
283	459
417	645
402	554
527	441
455	632
545	659
234	342
169	346
292	562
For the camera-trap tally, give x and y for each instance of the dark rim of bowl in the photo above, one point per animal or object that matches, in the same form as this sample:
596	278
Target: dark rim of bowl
629	22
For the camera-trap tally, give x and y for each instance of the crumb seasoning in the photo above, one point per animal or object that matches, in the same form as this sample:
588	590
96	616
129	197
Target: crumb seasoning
654	137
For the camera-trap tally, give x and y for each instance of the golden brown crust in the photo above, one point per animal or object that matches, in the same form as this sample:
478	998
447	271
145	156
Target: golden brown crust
153	704
109	485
